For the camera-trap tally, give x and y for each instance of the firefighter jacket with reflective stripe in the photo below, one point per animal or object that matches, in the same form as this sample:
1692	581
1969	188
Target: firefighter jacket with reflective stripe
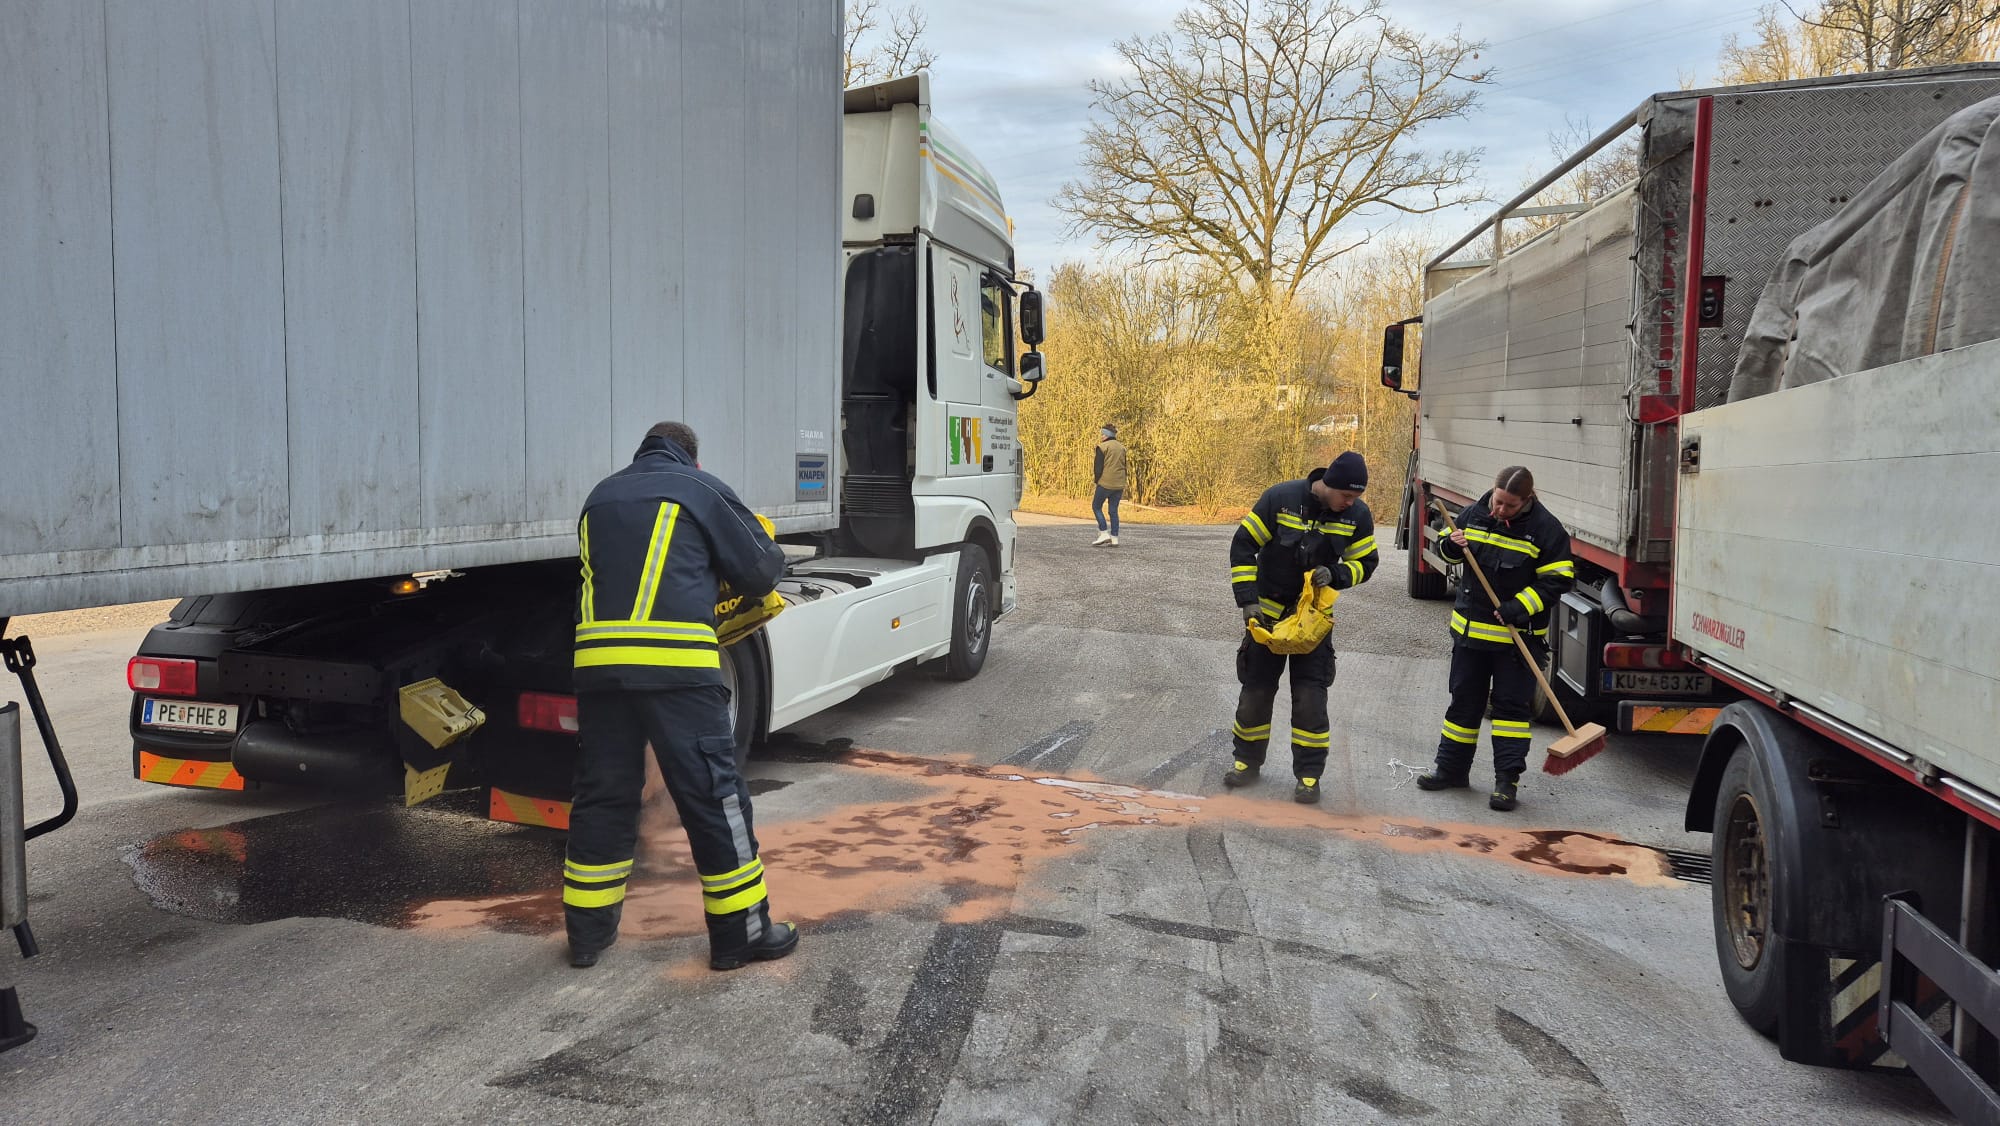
1289	533
1526	559
656	540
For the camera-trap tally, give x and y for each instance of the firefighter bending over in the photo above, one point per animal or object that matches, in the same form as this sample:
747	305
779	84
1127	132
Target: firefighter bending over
1524	551
1319	526
656	539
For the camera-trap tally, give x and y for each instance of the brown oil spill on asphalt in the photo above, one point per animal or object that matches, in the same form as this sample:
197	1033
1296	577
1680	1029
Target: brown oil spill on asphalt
957	844
969	837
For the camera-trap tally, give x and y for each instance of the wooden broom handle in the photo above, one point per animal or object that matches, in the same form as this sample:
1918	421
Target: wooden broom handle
1527	655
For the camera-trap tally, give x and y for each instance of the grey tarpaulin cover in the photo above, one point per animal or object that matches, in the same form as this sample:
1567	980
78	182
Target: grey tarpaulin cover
1909	267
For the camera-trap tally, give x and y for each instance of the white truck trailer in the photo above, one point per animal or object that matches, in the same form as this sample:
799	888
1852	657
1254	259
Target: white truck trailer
1775	503
327	315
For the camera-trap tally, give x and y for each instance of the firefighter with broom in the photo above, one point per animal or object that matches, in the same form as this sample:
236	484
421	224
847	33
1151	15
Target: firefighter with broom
1520	551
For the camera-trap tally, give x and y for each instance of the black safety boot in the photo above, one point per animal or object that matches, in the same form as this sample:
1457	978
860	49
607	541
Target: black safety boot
1441	779
1306	792
1240	774
591	932
779	940
1506	793
584	957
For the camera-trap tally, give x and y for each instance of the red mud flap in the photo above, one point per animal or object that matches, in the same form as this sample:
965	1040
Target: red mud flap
188	772
1923	961
1641	717
519	809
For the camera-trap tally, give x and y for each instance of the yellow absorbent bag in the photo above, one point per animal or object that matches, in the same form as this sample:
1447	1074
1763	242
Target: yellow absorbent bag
737	617
1302	630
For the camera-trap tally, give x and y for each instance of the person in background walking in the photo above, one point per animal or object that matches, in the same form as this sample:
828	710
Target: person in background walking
1111	477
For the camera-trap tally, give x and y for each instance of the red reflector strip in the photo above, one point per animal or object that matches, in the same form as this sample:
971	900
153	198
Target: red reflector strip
517	809
188	772
1670	721
1620	655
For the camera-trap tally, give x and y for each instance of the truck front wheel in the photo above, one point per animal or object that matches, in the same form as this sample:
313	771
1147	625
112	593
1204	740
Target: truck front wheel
971	615
743	676
1746	951
1424	583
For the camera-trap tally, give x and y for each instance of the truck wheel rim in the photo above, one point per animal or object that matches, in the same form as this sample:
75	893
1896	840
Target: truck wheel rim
975	614
1746	881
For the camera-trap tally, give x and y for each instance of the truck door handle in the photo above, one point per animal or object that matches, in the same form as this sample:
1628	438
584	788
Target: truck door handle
986	463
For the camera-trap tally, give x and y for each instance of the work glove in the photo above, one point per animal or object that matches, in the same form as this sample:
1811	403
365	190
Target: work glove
1513	613
1252	616
1322	576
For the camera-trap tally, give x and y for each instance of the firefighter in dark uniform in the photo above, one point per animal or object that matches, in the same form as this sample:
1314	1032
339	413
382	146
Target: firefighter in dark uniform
1318	526
656	539
1524	551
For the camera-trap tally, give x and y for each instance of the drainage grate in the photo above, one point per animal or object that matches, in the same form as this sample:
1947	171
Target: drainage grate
1694	867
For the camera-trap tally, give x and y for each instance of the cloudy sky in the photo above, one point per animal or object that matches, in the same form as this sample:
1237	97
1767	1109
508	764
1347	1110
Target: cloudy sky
1011	81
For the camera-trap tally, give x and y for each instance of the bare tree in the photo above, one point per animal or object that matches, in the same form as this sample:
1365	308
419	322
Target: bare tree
876	51
1250	134
1871	35
1612	168
1783	48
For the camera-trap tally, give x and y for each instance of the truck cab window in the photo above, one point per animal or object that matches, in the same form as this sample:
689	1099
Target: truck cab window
996	320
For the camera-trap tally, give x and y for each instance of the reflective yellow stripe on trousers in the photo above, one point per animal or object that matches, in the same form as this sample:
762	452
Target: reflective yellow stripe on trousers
585	885
733	891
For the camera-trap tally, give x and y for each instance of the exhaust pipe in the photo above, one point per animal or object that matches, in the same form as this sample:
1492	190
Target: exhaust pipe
1619	613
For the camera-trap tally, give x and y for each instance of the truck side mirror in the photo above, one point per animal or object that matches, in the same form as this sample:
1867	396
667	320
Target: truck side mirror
1032	374
1392	357
1031	318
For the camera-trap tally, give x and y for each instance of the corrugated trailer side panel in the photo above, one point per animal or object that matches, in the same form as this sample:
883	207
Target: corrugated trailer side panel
1528	363
1827	548
58	369
566	241
329	289
198	254
350	223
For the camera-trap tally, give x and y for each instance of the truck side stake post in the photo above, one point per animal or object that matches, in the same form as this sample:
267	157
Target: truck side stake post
1914	947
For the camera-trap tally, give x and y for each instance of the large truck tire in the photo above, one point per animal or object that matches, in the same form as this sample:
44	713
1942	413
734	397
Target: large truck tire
743	675
1741	896
971	614
1808	837
1424	584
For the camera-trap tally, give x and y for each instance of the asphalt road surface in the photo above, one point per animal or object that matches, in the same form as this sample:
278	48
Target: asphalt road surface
1024	899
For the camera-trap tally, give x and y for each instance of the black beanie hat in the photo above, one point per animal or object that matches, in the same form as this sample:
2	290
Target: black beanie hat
1348	471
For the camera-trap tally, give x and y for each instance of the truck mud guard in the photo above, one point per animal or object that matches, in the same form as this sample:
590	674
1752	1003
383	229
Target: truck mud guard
1830	834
